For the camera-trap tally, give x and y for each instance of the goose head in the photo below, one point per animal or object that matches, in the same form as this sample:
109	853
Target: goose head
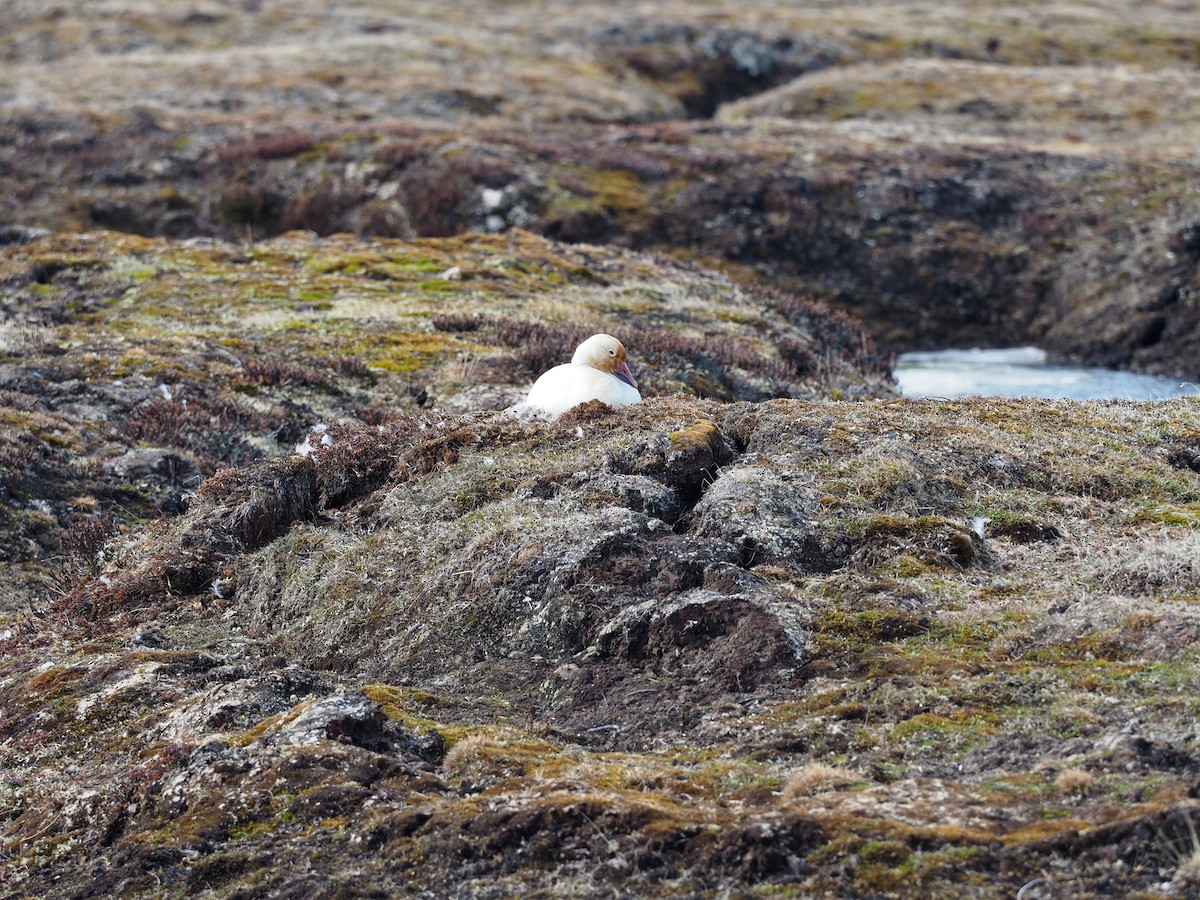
606	353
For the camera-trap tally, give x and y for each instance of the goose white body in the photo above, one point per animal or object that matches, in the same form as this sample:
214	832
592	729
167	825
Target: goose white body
597	371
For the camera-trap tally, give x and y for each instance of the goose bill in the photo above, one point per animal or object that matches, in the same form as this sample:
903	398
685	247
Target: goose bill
625	375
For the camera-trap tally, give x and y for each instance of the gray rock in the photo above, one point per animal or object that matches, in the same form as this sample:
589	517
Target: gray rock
155	463
771	516
11	235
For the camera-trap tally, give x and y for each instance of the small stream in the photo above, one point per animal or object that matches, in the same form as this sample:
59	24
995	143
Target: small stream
1024	372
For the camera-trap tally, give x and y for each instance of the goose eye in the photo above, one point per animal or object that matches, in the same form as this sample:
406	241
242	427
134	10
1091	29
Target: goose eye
612	352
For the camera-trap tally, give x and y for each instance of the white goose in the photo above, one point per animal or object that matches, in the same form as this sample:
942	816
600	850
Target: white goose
597	371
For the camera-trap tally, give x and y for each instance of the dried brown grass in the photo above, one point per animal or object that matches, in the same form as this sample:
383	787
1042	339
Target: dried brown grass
818	778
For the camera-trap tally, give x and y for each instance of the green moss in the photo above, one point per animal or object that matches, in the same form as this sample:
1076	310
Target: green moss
960	635
1187	515
50	264
406	705
976	723
619	191
866	628
1050	827
319	297
423	265
907	566
347	265
404	352
934	861
885	852
1109	645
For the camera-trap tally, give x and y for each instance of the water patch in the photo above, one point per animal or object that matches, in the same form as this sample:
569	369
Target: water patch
1024	372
